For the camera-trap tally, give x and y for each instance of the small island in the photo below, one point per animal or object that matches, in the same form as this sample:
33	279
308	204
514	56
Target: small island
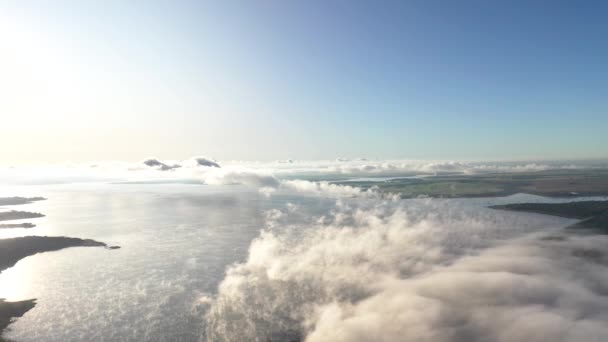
18	215
16	200
17	225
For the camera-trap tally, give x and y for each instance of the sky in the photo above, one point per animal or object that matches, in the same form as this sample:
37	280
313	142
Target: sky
269	80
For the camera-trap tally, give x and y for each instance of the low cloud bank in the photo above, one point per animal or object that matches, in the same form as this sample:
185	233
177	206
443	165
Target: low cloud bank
197	168
330	190
419	270
529	290
361	167
230	177
268	184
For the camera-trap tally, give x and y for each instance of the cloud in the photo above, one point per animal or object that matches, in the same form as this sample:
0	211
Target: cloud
229	177
268	184
417	270
328	189
160	165
341	167
531	290
201	161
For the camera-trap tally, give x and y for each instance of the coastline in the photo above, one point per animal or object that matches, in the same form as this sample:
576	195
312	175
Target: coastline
14	249
592	214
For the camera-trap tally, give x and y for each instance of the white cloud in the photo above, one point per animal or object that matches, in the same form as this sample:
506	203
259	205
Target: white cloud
530	290
418	270
328	189
235	176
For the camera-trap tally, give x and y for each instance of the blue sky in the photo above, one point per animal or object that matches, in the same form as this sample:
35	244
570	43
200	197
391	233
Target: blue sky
304	79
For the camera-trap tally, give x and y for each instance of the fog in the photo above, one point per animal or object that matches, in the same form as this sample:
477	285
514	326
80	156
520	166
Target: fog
432	270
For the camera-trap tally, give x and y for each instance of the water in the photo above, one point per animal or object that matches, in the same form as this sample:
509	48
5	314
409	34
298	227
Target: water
177	243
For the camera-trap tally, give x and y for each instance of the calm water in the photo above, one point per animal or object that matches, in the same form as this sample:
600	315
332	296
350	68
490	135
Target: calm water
177	241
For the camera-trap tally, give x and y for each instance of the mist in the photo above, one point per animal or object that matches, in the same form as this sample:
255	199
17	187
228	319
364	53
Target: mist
420	270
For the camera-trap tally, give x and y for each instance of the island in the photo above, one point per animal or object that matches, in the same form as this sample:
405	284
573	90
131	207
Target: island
18	215
16	200
17	225
15	249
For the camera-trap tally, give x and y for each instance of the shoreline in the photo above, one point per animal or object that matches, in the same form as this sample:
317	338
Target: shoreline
550	183
14	249
9	311
591	214
18	215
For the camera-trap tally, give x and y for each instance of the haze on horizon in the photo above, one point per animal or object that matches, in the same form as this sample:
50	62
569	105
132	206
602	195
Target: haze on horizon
118	80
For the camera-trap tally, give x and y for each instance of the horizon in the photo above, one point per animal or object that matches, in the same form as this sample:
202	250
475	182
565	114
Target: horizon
336	160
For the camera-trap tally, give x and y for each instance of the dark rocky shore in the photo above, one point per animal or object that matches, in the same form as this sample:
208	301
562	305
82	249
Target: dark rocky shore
15	249
594	214
11	310
18	215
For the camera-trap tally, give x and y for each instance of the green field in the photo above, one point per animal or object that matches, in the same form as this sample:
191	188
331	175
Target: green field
443	189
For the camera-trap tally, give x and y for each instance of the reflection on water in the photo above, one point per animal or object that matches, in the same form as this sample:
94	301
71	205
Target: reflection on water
176	242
